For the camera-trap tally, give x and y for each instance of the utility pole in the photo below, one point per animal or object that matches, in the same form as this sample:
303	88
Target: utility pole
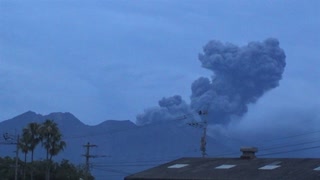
203	124
17	156
204	135
88	156
9	140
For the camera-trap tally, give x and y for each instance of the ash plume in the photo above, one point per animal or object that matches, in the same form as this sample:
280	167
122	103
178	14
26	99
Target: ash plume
169	109
241	75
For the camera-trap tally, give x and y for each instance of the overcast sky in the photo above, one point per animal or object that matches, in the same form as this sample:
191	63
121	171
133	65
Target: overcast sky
101	59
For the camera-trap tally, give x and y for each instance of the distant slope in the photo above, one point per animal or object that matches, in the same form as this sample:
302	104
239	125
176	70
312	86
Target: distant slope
123	147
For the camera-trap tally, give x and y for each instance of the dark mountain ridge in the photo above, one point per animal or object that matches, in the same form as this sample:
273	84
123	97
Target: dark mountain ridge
117	142
124	148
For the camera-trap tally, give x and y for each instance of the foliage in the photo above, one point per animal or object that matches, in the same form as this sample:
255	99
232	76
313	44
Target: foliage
31	134
67	171
30	138
60	171
50	137
7	168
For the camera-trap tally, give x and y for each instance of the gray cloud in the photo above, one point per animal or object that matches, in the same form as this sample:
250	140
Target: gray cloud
169	109
70	44
241	76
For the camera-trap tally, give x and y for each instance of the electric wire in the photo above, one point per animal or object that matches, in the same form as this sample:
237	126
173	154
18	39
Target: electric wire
288	151
113	170
289	145
183	117
125	165
292	136
275	147
150	161
266	148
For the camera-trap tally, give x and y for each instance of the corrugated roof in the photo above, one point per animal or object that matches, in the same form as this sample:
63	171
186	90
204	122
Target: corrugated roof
205	168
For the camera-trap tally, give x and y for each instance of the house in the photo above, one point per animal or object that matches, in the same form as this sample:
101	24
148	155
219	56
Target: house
247	167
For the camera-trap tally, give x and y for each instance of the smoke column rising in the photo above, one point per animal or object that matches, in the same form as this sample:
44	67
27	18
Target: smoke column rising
241	75
170	108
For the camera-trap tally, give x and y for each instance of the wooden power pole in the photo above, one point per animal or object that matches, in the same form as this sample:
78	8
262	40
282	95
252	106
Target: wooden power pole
17	157
88	156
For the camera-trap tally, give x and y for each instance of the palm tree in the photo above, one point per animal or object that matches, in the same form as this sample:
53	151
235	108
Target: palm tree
50	137
24	145
31	132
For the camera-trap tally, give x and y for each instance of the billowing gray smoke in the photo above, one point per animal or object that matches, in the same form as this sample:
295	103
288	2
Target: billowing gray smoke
170	108
241	76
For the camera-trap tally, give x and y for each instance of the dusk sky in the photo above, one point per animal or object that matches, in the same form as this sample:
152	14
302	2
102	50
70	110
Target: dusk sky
101	59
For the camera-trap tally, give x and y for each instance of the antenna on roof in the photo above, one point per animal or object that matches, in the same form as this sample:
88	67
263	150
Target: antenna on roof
203	140
203	124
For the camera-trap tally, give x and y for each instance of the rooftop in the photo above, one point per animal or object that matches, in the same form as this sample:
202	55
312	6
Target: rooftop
233	168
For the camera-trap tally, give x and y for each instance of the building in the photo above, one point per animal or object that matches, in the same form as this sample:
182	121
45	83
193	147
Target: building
247	167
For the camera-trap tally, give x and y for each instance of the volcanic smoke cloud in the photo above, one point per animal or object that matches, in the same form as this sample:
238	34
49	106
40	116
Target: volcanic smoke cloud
170	108
241	75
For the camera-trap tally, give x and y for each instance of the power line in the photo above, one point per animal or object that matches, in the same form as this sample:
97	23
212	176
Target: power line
186	116
124	165
88	156
191	114
183	117
225	154
275	147
289	145
283	138
134	162
204	125
288	151
293	136
113	170
263	149
233	153
13	140
144	162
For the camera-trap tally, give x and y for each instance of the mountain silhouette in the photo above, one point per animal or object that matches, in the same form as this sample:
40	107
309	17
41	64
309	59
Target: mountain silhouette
122	147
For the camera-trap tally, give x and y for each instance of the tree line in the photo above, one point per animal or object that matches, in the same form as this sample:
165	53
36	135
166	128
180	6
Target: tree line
63	170
48	135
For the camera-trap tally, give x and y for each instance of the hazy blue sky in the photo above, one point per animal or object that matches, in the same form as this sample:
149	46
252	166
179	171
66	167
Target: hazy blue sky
101	59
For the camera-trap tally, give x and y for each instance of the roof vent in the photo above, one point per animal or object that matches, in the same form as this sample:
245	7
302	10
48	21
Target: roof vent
248	152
